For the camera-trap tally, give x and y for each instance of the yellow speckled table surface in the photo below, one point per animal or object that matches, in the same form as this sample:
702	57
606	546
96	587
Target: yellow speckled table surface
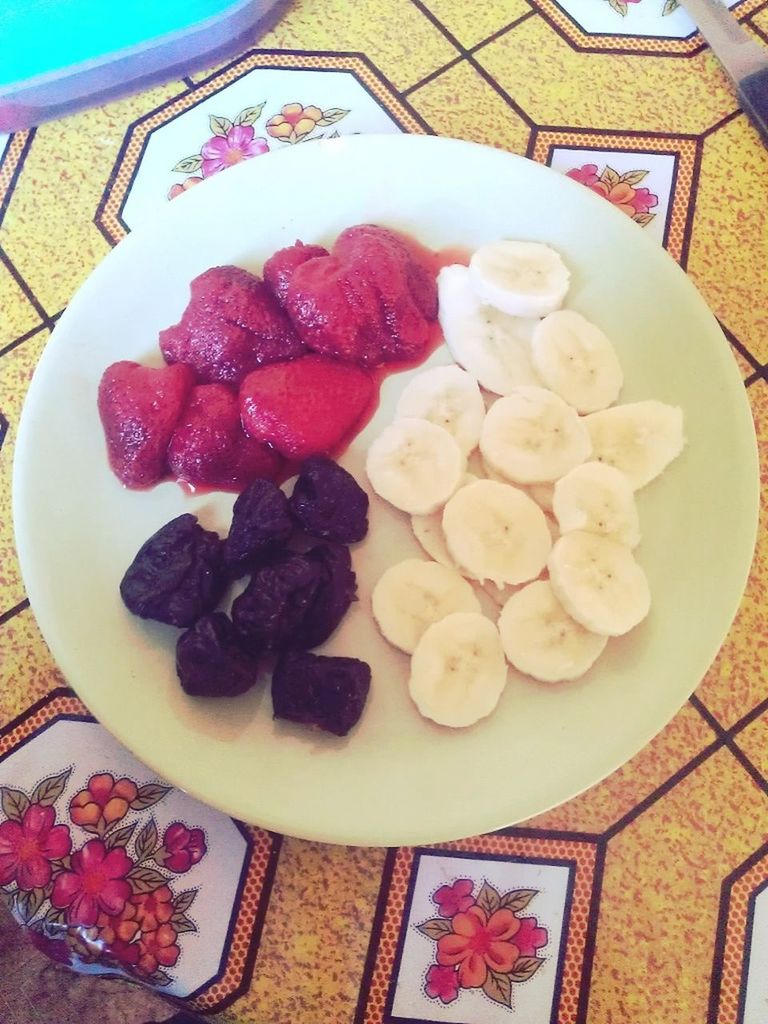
646	898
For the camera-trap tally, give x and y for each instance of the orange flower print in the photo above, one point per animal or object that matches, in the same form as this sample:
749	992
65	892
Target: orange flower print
479	942
122	928
184	186
294	122
482	942
619	189
103	803
620	194
158	949
153	908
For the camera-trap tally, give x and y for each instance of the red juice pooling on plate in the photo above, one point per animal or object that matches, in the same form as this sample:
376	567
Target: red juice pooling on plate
302	354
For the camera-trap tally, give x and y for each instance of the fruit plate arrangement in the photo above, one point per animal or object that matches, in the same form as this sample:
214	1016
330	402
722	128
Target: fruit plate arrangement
396	778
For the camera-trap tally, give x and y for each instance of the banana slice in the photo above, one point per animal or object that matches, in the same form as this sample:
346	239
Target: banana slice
496	532
597	498
532	436
458	671
428	531
449	397
576	360
639	438
541	639
541	493
526	279
414	465
599	583
414	594
493	347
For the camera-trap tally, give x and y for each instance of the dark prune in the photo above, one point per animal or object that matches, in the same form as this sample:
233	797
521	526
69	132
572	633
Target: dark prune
328	502
337	590
177	575
211	662
315	690
261	522
272	607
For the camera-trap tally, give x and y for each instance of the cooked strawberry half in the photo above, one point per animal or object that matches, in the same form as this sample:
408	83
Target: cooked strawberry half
370	302
309	406
279	269
232	324
139	407
209	447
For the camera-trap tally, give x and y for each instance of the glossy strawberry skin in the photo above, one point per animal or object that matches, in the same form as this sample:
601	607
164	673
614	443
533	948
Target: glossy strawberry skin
308	406
139	408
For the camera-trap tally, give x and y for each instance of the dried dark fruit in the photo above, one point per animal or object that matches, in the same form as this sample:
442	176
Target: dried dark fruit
177	575
261	523
334	595
211	661
328	502
272	607
329	693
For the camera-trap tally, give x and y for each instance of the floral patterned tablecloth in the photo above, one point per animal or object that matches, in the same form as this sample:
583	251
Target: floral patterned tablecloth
645	899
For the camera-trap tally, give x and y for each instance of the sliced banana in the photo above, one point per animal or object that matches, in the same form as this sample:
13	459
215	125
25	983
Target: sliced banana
491	346
576	360
415	465
541	493
449	397
526	279
428	531
639	438
458	670
597	498
541	639
532	436
599	583
414	594
496	532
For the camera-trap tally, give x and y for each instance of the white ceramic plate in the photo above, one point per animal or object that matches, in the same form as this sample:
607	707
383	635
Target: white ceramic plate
396	779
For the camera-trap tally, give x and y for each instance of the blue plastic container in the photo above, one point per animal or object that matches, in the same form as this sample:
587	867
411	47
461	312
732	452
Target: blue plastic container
57	56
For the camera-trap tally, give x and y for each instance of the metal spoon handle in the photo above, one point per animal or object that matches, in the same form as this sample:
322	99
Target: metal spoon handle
745	60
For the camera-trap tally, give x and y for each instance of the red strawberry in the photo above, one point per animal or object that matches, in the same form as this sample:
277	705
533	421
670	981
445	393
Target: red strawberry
139	408
278	270
209	447
306	407
232	324
369	302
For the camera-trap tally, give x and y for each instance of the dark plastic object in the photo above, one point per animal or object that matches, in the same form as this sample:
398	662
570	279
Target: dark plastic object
58	56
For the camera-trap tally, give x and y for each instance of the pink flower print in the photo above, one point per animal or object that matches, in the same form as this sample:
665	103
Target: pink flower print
454	899
222	151
587	174
96	882
27	849
530	937
442	983
182	847
644	200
